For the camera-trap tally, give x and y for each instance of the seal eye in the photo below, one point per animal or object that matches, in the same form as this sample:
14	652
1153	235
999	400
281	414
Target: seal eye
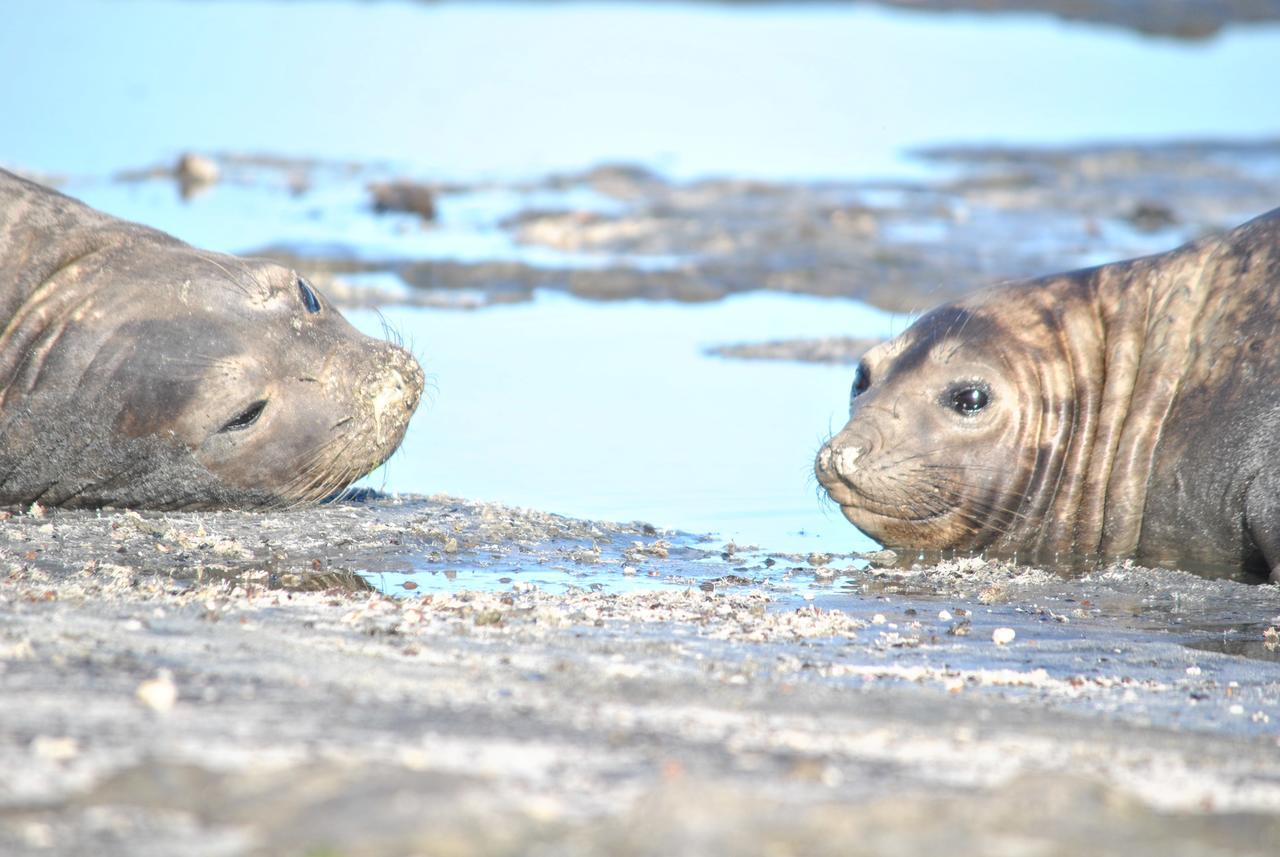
309	298
861	381
245	418
969	400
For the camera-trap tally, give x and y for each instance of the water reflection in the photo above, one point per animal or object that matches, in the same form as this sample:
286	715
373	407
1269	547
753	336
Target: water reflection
613	411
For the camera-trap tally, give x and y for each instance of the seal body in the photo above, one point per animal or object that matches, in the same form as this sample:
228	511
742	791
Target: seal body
1128	410
136	370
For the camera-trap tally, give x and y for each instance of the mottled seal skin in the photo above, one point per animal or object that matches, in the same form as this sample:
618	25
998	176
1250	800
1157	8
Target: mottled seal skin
136	370
1128	410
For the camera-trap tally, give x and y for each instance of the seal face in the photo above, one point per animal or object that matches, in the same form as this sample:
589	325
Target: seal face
1127	410
136	370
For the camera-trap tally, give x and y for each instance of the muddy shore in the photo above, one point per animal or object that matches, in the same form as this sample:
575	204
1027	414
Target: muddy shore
440	676
216	684
991	214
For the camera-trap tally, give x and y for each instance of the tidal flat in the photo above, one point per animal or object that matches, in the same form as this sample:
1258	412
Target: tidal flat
595	605
338	681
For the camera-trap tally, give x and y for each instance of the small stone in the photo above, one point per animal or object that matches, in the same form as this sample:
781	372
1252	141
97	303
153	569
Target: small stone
882	558
944	615
878	619
1236	709
1193	670
629	570
404	197
1003	636
160	693
55	749
197	169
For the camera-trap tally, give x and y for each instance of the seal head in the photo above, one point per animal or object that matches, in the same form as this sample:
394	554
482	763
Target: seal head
1128	410
136	370
952	433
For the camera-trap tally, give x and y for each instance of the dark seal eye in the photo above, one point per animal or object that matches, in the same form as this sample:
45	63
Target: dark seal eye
969	400
861	381
309	298
245	418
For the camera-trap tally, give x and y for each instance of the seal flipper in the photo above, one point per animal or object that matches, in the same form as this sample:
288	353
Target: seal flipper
1262	518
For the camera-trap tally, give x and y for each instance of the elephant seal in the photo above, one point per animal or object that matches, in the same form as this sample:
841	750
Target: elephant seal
138	371
1127	410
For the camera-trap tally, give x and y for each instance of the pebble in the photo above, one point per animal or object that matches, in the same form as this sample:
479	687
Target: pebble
197	169
1003	636
55	749
160	693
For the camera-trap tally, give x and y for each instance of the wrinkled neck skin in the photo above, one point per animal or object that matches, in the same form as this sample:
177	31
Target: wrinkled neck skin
1087	368
1124	335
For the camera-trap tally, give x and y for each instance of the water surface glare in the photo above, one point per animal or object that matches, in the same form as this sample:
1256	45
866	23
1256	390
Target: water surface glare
612	411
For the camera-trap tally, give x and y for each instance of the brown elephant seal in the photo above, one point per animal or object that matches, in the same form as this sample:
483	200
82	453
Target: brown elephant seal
1128	410
136	370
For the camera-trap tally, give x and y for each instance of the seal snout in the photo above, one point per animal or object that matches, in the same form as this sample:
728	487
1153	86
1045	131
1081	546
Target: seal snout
839	464
395	395
837	459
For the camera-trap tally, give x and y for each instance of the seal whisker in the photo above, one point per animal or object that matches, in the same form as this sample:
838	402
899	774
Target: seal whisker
235	280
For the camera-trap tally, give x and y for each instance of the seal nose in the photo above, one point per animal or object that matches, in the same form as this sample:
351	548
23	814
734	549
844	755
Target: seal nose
847	458
396	393
836	461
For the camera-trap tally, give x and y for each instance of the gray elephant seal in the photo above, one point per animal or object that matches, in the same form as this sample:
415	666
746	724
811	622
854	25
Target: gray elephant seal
136	370
1128	410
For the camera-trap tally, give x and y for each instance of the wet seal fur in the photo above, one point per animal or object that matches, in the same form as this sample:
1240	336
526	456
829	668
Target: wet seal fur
136	370
1127	410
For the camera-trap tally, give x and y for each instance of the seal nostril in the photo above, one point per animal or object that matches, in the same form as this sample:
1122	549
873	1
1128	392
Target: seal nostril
846	459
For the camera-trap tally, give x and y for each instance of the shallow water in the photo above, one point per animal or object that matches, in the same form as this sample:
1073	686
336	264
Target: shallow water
601	411
614	411
469	89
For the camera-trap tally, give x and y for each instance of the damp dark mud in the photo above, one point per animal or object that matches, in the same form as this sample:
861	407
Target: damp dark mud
1000	213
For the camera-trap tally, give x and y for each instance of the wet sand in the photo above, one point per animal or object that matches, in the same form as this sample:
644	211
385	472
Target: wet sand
227	684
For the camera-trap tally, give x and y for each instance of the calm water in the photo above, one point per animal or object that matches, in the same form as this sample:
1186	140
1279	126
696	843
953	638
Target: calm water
600	410
612	411
468	89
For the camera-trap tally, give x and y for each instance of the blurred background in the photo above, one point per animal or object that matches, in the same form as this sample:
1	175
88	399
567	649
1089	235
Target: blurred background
637	246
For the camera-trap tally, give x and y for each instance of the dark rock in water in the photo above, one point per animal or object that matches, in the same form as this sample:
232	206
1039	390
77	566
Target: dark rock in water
404	196
841	350
1151	216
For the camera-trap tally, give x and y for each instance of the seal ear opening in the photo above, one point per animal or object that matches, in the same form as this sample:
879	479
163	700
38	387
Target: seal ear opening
245	418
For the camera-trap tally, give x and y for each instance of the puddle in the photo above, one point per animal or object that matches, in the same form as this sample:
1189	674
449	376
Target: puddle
613	411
